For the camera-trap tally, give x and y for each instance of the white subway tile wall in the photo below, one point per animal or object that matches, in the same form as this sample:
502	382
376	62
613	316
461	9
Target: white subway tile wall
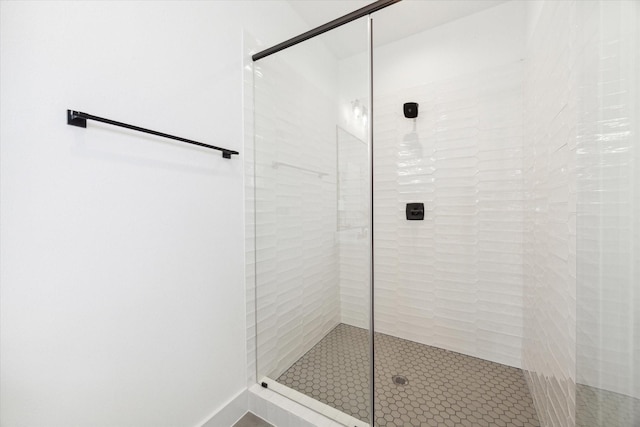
581	238
353	229
607	218
608	222
453	280
250	45
549	175
298	297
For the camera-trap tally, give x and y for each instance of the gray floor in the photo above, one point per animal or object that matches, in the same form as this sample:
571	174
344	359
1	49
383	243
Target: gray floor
442	388
251	420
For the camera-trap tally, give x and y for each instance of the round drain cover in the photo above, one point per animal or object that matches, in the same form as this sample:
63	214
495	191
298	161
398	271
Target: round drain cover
399	380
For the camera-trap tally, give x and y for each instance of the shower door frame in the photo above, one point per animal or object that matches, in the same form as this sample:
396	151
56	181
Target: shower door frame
372	369
367	12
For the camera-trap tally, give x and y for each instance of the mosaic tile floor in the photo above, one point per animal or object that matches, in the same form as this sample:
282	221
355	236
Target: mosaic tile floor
443	388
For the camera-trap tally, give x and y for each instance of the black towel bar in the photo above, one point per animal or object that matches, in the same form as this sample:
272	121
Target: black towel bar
77	118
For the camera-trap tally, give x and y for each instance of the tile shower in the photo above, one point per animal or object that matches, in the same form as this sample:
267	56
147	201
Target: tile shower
484	307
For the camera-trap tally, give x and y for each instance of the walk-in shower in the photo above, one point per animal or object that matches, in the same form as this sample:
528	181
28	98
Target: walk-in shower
476	263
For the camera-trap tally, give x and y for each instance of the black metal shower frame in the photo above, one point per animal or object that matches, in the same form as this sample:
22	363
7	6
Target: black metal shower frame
356	14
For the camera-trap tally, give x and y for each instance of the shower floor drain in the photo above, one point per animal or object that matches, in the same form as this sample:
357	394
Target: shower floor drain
399	380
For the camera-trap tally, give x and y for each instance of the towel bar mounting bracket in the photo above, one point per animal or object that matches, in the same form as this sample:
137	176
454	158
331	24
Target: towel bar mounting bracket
74	120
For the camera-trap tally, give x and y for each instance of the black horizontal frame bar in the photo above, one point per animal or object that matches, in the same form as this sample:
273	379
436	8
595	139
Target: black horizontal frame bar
77	118
356	14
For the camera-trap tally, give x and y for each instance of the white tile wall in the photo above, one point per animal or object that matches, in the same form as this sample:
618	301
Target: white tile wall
296	250
250	46
608	222
453	280
353	229
549	175
581	294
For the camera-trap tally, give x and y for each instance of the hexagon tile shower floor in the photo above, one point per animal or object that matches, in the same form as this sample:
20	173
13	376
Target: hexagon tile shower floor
441	387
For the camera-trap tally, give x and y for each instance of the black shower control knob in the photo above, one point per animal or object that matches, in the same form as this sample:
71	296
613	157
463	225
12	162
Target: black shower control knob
410	110
415	211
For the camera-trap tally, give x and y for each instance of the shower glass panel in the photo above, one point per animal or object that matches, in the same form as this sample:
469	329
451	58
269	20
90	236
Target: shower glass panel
312	223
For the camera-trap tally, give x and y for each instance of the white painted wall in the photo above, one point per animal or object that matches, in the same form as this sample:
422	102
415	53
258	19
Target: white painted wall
122	298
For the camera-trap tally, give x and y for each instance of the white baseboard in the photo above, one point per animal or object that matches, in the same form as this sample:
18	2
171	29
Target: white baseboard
229	413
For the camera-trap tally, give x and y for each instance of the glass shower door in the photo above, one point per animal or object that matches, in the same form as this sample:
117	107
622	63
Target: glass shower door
312	232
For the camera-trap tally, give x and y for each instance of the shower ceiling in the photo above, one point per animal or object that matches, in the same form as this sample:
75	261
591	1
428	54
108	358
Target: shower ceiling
415	16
